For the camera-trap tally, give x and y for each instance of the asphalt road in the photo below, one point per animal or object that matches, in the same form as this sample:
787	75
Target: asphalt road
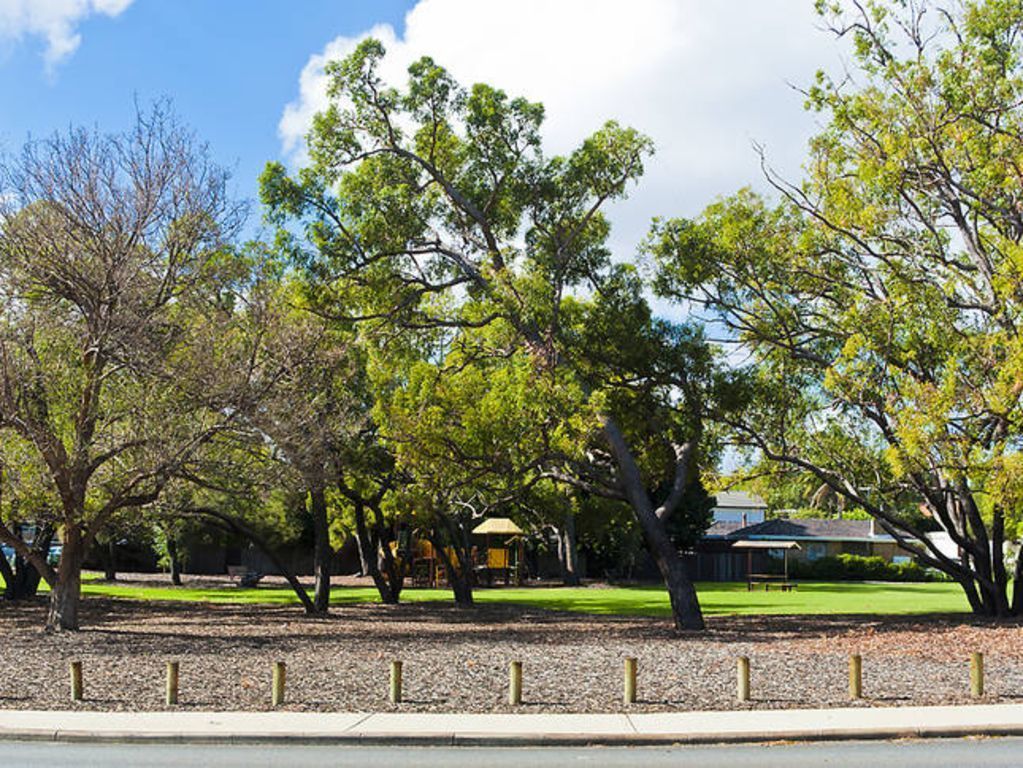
976	753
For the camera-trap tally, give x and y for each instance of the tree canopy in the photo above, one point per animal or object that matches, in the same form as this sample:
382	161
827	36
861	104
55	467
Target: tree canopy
880	297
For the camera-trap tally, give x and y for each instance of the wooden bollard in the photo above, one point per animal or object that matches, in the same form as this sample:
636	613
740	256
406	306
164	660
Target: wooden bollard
515	683
977	674
855	676
76	680
396	682
742	678
629	692
277	686
172	683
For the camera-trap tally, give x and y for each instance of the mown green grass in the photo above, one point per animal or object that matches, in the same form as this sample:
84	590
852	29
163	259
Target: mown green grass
811	598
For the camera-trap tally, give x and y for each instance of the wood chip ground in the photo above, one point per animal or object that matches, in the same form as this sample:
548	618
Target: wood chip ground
457	660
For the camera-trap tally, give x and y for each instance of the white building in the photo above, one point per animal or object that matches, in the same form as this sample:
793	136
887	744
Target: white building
739	507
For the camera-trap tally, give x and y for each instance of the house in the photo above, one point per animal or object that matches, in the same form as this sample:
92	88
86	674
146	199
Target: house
739	507
717	559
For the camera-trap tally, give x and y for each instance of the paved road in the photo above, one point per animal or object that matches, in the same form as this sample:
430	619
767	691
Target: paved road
979	753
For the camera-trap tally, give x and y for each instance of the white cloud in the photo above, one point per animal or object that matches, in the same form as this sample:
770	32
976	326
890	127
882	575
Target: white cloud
704	79
54	20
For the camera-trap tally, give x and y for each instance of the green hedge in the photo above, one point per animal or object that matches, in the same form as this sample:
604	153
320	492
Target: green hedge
858	568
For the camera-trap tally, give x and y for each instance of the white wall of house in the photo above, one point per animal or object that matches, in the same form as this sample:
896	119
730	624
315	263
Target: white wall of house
739	507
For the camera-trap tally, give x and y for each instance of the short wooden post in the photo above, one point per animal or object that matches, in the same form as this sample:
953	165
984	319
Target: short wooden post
515	683
629	681
277	690
855	676
977	674
172	683
396	682
742	678
76	680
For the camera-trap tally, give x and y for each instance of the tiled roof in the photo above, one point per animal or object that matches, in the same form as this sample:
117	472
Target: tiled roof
809	529
722	528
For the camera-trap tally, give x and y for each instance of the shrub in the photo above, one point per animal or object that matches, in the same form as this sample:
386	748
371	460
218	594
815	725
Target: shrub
857	568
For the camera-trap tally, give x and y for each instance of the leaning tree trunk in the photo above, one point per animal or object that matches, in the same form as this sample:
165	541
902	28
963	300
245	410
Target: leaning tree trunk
66	591
685	606
22	582
362	547
237	526
568	552
369	543
322	553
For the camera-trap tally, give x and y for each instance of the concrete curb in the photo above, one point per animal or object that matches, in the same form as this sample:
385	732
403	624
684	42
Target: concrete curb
413	729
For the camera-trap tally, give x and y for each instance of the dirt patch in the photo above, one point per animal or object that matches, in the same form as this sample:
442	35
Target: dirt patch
457	660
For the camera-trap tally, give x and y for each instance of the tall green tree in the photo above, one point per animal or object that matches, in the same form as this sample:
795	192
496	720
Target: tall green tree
434	209
881	298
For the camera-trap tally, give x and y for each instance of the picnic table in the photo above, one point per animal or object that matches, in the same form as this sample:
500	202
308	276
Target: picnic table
768	580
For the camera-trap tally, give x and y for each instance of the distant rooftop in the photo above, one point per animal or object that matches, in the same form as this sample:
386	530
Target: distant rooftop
833	529
739	499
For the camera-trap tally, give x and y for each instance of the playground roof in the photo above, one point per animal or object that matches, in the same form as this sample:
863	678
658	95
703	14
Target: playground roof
498	526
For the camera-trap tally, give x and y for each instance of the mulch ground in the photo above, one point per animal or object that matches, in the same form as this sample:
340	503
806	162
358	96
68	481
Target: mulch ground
457	660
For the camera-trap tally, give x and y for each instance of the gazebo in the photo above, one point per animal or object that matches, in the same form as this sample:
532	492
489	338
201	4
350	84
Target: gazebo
762	578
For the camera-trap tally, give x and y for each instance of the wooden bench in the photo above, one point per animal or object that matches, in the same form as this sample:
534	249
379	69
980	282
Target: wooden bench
769	580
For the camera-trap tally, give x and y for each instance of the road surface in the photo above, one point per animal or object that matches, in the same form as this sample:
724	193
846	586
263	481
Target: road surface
976	753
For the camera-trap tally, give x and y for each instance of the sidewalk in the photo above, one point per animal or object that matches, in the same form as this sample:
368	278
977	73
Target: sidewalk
506	729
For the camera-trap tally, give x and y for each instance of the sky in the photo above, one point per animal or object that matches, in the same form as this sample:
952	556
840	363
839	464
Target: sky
706	79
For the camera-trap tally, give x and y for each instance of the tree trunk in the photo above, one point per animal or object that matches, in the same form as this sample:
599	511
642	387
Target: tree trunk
22	582
1001	578
369	543
322	552
392	569
568	554
685	606
1017	584
970	588
175	561
361	546
8	576
458	570
110	561
66	592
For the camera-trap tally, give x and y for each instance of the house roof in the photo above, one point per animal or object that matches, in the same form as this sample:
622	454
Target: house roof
739	499
722	528
800	530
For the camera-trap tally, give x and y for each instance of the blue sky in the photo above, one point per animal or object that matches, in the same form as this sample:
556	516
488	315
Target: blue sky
229	66
705	79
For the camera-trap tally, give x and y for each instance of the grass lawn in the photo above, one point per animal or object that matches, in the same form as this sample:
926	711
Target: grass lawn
716	598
